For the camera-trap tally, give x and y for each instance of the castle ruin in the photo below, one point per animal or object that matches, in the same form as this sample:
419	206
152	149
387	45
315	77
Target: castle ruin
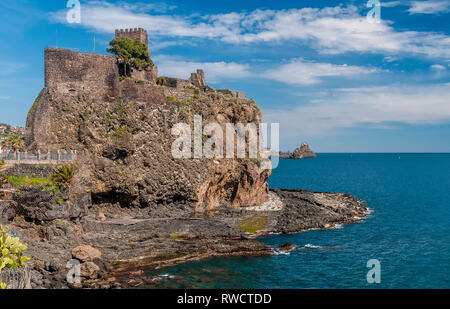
100	73
136	34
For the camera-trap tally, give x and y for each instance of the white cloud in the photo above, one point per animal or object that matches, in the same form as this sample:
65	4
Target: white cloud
106	17
374	106
296	72
159	7
390	4
330	30
437	67
299	72
390	59
214	71
429	7
4	98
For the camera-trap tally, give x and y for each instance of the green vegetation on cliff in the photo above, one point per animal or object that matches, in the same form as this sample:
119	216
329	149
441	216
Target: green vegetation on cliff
63	175
19	182
131	53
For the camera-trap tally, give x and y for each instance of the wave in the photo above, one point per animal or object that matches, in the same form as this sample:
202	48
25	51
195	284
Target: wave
310	246
277	252
369	211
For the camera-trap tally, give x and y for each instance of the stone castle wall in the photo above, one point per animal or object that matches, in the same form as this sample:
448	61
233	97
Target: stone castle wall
137	34
67	67
234	94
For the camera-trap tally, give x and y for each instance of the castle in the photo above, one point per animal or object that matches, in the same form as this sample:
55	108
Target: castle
100	73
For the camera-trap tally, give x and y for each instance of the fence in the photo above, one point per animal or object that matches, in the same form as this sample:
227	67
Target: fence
26	157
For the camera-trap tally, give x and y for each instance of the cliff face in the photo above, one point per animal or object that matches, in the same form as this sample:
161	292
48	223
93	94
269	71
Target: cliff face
122	133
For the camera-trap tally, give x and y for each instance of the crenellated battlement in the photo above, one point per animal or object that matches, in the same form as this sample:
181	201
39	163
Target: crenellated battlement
137	34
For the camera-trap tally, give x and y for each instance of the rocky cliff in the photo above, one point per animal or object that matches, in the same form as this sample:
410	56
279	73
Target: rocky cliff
122	133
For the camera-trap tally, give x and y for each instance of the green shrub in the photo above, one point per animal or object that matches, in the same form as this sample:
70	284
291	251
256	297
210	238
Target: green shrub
162	81
139	82
63	175
172	99
11	252
2	163
130	52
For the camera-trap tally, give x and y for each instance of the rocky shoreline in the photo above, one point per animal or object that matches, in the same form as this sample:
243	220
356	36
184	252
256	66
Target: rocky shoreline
126	204
133	242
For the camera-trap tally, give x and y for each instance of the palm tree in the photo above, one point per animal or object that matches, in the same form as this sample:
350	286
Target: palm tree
15	142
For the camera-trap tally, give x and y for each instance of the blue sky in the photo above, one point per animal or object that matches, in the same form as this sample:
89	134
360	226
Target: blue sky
319	68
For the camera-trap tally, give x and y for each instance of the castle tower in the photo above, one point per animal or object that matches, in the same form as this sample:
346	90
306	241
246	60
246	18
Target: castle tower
137	34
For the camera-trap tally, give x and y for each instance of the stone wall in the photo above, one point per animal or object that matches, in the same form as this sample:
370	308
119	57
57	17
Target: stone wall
79	69
137	34
33	171
234	94
198	79
148	75
178	83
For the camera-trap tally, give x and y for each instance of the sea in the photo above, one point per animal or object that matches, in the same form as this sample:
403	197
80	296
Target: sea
404	243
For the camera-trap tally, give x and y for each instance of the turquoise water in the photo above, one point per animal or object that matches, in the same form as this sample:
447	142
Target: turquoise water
408	231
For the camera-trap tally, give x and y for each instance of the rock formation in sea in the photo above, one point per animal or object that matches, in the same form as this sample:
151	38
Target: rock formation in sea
303	152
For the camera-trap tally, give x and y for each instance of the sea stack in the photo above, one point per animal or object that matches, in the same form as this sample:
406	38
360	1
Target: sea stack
303	152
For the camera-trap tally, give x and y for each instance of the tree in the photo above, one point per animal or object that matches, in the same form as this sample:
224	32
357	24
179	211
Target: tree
13	141
130	53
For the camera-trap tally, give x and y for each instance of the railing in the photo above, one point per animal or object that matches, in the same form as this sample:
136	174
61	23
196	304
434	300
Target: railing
25	156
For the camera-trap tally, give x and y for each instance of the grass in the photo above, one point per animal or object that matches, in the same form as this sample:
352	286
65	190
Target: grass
19	182
171	99
175	235
253	224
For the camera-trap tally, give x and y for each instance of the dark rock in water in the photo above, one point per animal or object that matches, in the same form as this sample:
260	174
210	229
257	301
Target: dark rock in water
287	247
300	153
306	210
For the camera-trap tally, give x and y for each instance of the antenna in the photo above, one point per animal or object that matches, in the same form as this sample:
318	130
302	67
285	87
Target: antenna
94	44
56	38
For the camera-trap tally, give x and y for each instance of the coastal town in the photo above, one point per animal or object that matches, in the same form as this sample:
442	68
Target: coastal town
7	133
